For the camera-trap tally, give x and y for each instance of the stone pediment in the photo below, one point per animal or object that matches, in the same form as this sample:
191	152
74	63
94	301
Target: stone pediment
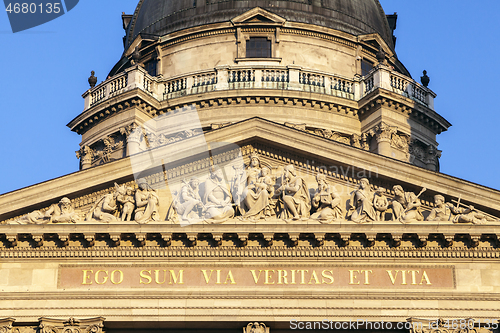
153	187
258	15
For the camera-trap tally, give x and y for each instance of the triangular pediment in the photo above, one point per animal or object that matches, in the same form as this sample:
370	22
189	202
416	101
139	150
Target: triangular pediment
258	15
376	42
231	148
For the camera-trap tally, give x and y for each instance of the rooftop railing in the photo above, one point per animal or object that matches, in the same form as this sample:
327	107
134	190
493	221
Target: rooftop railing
260	77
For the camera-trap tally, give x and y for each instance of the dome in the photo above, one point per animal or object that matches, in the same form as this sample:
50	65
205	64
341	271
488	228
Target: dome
161	17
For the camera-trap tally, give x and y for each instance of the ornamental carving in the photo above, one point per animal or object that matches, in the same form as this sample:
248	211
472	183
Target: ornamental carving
354	140
253	192
256	327
85	154
153	140
104	149
383	132
401	142
72	325
6	325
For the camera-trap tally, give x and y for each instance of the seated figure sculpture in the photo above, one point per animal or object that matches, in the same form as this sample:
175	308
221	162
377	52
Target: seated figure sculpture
62	212
147	202
217	198
295	195
188	204
361	203
259	198
444	211
326	201
244	189
405	206
105	208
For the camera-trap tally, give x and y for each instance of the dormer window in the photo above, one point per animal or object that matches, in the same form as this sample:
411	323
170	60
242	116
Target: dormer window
366	66
150	67
258	47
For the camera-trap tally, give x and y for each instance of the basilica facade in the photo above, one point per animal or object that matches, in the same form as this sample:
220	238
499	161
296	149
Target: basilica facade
254	166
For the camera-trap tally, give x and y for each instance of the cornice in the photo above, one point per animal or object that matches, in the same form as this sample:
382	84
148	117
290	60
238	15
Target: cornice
276	241
403	105
113	106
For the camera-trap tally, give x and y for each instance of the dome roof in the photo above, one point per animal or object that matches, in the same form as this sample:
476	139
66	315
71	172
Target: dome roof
161	17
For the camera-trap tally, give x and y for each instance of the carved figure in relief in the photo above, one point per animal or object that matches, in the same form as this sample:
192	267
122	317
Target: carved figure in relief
262	205
258	189
147	202
217	198
406	206
295	195
361	203
126	199
105	208
244	184
380	203
188	203
62	212
443	211
326	201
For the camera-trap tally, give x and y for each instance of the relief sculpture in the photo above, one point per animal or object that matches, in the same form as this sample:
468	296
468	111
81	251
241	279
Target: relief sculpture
62	212
256	194
188	204
361	203
254	188
406	206
147	202
217	198
294	198
326	201
443	211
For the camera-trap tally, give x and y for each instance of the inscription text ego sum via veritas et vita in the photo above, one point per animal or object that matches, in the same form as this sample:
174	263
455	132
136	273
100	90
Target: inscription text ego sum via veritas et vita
239	276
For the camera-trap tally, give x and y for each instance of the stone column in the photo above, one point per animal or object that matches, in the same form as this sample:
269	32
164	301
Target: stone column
431	158
133	133
85	155
383	134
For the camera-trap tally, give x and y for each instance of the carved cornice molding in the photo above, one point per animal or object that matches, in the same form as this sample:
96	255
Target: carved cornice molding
411	109
232	245
6	324
250	295
98	114
318	102
72	325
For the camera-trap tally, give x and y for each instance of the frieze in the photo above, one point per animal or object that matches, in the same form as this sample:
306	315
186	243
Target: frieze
355	140
236	250
255	192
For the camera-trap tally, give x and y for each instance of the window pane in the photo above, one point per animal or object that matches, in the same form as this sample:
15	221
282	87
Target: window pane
258	47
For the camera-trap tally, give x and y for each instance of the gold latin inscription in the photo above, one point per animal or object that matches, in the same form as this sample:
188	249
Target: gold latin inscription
353	276
102	276
393	276
225	276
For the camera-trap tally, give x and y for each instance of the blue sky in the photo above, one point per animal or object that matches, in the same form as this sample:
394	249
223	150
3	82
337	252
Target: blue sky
45	71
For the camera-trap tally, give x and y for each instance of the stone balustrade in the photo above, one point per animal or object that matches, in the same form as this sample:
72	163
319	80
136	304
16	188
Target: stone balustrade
260	77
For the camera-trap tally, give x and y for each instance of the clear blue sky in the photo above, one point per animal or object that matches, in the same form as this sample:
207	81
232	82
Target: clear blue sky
45	71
